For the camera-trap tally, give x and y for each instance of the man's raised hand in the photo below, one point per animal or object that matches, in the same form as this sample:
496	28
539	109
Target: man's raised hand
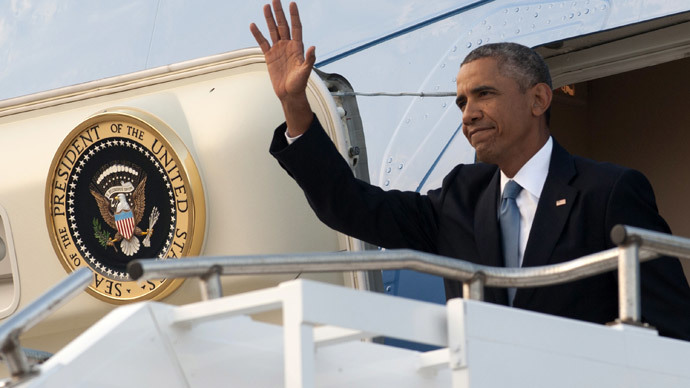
288	66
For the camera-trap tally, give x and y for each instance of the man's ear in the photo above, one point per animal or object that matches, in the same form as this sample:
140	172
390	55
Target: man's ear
541	98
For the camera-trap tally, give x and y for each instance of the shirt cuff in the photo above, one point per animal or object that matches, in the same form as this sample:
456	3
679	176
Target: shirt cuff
289	139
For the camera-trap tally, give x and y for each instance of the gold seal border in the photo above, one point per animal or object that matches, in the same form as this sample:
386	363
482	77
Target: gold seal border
196	223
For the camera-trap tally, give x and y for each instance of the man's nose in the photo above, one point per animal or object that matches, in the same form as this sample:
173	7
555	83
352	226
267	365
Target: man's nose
471	113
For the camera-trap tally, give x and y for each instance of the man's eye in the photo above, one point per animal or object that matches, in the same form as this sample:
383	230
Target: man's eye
461	105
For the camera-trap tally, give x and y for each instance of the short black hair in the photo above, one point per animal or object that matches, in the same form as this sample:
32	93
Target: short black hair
518	62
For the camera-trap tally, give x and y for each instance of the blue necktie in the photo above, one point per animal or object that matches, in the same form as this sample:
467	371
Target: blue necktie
509	218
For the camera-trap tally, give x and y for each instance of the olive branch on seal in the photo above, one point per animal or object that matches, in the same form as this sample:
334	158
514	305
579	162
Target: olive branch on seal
101	235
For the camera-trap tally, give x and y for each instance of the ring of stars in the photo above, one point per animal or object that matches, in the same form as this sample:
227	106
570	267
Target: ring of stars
92	260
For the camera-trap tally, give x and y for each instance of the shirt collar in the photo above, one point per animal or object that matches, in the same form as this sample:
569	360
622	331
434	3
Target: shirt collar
533	174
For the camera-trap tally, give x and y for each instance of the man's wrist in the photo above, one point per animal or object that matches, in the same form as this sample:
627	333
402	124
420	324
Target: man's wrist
298	114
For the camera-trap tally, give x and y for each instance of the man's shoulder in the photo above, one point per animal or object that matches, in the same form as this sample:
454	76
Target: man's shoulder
599	173
472	173
467	180
586	165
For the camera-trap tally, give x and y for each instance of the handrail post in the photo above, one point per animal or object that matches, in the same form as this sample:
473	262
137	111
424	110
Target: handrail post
210	284
629	284
17	362
474	288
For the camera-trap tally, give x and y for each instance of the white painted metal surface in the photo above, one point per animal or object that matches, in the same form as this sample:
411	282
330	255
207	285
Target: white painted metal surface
9	274
223	108
392	45
214	343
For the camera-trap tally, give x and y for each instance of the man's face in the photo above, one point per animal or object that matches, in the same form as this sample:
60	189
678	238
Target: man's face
496	115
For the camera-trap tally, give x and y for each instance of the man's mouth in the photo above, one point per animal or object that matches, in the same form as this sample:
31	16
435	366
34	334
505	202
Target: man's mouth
478	130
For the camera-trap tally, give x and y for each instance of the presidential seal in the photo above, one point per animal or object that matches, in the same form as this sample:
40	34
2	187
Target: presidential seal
123	186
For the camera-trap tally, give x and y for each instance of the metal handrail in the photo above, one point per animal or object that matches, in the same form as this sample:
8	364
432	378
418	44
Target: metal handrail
22	321
145	269
632	243
635	245
662	243
34	356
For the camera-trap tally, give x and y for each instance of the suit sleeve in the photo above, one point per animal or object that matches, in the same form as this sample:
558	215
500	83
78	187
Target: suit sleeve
390	219
665	291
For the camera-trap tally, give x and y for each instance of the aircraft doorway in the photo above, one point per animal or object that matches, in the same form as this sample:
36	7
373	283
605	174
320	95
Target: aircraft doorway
639	119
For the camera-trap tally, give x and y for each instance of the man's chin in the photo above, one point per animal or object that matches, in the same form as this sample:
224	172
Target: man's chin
484	156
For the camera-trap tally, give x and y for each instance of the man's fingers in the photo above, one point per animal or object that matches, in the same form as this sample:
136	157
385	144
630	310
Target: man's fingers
259	37
283	28
296	23
271	24
310	56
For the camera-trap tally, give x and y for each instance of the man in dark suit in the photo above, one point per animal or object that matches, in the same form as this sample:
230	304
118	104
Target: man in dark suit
561	207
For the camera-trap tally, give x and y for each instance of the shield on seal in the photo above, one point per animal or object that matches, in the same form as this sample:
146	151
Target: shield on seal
124	221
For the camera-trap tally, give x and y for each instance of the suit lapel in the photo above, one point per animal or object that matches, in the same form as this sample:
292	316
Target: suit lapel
488	235
555	204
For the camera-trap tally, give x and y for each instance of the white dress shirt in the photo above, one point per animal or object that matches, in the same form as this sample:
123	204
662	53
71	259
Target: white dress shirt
531	177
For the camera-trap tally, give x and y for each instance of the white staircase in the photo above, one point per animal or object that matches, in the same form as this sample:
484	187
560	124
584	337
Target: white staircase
215	344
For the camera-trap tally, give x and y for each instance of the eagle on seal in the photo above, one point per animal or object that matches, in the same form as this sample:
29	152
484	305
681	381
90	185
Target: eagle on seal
124	217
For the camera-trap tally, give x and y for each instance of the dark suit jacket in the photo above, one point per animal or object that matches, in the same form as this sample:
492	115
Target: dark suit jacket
460	220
